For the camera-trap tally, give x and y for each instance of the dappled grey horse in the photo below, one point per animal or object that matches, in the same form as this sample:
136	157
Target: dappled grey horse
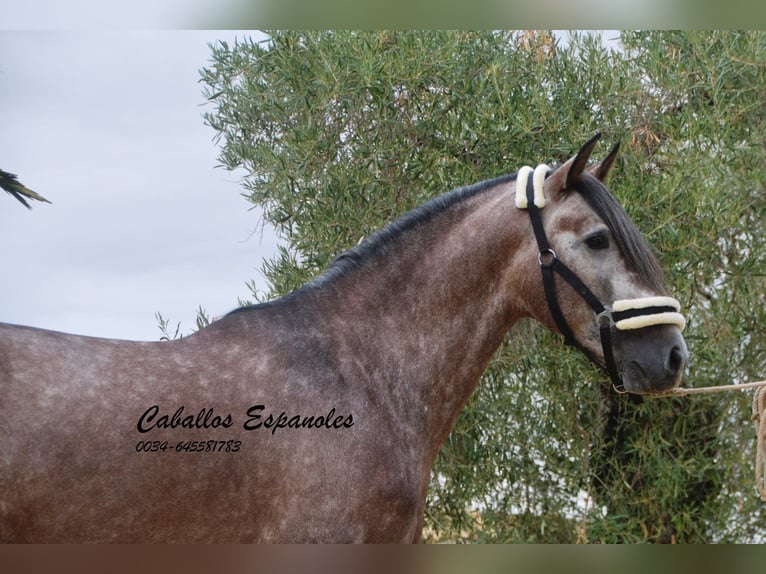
317	417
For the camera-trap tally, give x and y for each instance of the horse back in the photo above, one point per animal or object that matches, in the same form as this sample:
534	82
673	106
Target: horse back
109	440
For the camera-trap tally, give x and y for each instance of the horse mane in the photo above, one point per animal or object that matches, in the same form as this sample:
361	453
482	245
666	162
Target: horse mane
638	255
381	240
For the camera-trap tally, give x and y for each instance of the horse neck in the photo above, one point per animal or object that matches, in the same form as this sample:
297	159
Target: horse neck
427	315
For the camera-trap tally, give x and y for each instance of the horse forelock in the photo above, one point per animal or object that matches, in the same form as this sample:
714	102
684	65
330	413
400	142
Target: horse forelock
638	255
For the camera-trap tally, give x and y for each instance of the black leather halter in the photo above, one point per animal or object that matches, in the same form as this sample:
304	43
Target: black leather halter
652	310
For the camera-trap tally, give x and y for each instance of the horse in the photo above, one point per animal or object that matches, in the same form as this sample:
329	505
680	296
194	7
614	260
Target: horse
316	417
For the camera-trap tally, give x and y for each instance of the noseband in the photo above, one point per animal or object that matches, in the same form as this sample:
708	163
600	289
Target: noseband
623	315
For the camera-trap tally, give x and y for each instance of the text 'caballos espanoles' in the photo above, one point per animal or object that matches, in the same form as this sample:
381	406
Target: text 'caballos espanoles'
255	418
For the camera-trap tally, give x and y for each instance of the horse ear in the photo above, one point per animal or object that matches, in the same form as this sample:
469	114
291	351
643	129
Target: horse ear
580	160
602	169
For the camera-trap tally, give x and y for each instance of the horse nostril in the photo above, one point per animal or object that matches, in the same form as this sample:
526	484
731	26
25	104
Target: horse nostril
676	360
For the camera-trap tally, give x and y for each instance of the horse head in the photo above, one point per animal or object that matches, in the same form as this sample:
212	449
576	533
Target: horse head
601	285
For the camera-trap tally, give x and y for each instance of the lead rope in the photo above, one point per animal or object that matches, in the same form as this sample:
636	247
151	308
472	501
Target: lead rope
759	420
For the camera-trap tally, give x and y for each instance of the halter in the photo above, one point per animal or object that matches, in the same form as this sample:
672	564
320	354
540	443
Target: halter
623	315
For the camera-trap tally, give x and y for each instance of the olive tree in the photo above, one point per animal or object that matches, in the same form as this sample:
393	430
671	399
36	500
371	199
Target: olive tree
341	132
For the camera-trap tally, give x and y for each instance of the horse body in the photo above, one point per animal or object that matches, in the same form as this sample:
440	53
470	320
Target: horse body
72	420
325	409
72	472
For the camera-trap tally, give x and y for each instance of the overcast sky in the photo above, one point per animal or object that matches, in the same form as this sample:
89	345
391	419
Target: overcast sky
108	126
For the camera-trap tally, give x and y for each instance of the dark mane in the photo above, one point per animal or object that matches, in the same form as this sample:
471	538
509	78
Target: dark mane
380	240
638	255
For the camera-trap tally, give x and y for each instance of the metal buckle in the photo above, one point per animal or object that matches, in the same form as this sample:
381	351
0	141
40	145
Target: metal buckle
550	256
605	319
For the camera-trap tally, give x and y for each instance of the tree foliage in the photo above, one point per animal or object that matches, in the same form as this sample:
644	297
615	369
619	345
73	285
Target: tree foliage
10	183
340	132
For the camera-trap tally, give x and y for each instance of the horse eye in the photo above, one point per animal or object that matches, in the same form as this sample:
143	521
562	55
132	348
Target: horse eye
597	241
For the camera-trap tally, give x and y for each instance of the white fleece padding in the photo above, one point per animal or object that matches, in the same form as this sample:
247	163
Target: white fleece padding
648	320
664	318
644	302
538	181
538	184
521	186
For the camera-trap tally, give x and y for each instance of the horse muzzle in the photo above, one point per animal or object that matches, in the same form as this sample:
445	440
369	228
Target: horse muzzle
650	351
652	359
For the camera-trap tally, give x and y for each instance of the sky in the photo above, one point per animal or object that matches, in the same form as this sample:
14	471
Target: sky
108	126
